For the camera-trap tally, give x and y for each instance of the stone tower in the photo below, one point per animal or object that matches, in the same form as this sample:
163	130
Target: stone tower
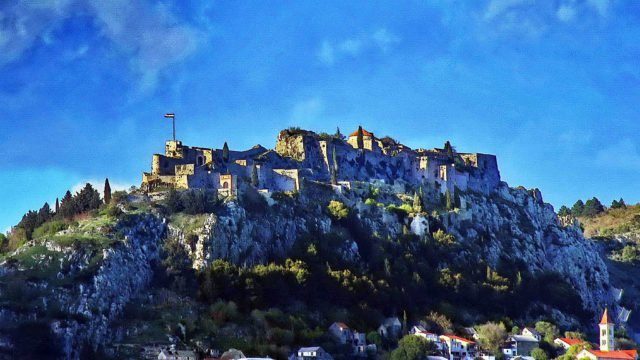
606	333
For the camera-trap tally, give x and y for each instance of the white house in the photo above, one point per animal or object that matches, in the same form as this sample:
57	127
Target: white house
532	333
313	353
520	345
459	347
421	332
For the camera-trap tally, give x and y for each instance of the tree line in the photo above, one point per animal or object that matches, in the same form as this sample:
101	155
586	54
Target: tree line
87	199
591	207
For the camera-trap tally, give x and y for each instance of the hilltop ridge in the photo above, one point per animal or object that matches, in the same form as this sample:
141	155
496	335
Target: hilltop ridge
385	229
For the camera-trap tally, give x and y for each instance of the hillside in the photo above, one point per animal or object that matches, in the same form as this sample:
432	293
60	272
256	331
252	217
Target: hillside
617	233
267	271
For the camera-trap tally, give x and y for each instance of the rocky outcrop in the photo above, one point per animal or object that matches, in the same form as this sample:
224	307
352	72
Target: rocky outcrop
517	225
513	225
98	283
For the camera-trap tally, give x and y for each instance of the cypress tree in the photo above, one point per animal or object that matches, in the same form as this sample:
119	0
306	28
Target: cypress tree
333	169
360	138
44	214
225	152
107	191
67	205
449	200
578	208
57	205
417	202
564	211
254	176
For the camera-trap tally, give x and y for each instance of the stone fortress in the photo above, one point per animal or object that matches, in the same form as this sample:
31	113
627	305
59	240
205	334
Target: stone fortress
302	155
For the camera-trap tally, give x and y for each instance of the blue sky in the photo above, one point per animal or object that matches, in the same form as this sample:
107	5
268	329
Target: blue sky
551	87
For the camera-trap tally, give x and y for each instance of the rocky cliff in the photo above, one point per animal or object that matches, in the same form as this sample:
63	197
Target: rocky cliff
78	282
511	226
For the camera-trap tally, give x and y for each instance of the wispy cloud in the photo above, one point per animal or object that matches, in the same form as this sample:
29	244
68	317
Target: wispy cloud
500	7
534	18
621	155
566	13
151	36
380	40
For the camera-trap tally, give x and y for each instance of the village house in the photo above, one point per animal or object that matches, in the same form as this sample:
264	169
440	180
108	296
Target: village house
177	355
607	349
420	331
520	345
311	353
344	335
390	328
531	332
459	347
566	343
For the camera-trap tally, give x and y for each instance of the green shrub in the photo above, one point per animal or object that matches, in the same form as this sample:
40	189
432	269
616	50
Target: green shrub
370	202
49	228
338	210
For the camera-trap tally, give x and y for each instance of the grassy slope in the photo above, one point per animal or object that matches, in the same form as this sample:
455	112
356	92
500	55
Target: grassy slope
612	221
604	227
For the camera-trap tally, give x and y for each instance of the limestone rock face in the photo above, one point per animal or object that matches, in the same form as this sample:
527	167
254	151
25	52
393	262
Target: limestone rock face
301	146
518	225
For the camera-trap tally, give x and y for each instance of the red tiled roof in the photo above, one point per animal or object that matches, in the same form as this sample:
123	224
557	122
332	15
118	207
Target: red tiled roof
342	325
605	318
461	339
364	133
617	354
570	341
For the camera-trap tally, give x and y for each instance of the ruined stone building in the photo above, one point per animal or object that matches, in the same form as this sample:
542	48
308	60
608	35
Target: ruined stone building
304	155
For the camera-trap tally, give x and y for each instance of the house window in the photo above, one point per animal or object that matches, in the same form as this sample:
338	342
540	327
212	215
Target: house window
604	332
200	160
225	185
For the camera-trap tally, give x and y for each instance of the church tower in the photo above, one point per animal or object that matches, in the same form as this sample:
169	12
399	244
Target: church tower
606	333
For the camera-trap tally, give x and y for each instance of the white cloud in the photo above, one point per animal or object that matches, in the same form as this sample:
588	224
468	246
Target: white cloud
621	155
22	23
499	7
534	18
566	13
326	53
150	35
384	39
381	40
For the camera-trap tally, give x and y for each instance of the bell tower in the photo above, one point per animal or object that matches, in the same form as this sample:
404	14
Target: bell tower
606	333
